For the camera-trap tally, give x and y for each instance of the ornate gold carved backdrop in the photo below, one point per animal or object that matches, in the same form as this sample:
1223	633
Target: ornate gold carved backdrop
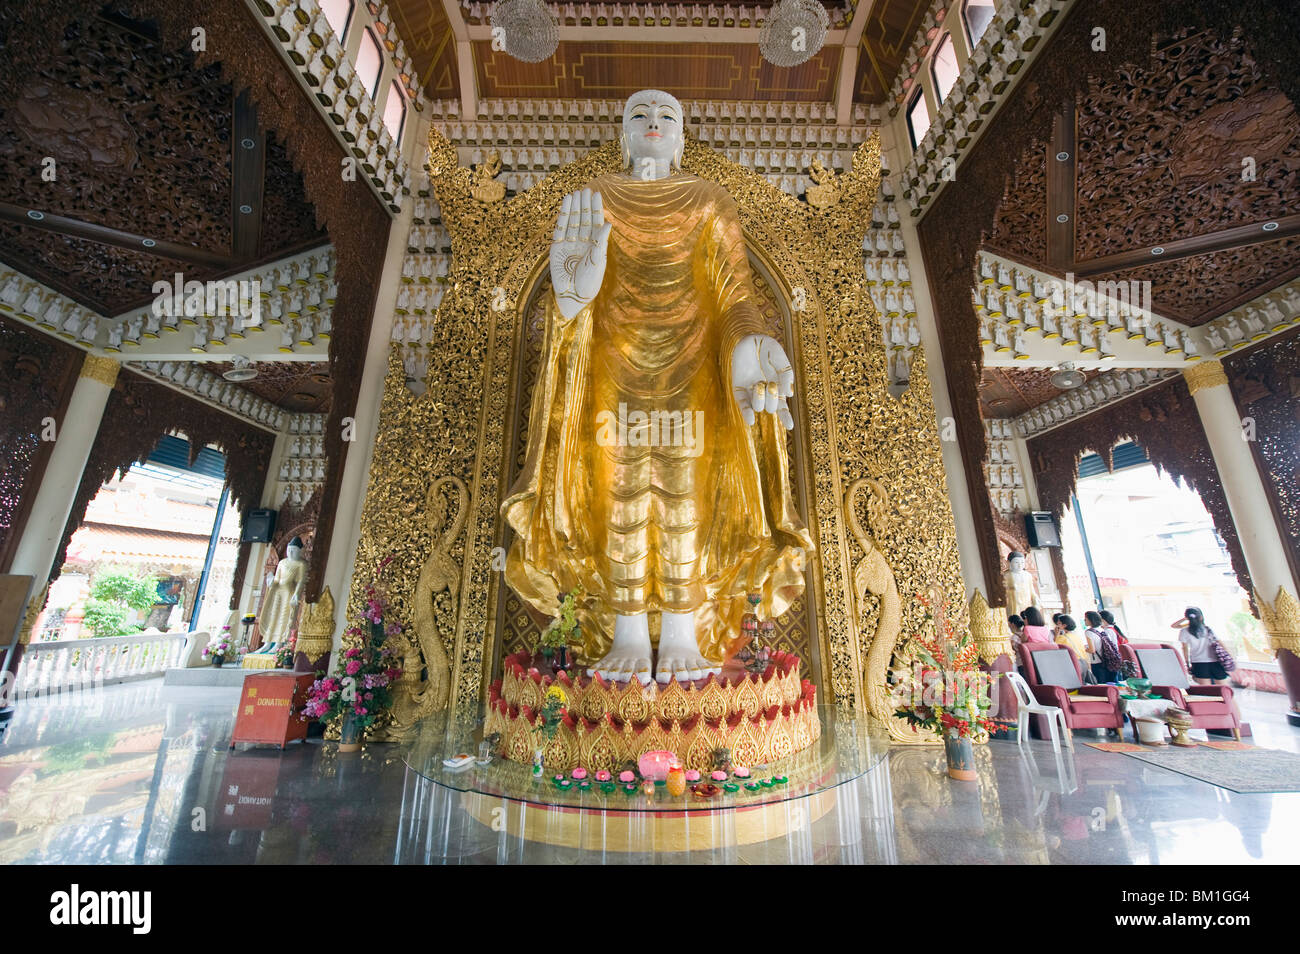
874	490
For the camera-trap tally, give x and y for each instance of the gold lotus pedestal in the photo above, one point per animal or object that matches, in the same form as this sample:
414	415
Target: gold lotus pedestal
759	717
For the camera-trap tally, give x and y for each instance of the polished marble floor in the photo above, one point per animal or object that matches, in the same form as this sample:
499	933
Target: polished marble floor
140	774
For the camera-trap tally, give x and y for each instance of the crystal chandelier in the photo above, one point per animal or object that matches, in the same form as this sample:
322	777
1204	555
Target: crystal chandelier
525	29
793	32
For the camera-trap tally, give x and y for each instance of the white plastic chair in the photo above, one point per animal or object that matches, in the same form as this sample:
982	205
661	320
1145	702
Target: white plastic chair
1029	705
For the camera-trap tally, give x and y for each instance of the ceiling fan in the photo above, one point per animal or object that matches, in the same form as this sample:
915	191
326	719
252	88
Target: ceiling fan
1067	377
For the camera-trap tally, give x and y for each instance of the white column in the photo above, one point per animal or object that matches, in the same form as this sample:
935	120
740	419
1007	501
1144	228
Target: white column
54	498
968	544
352	490
1261	540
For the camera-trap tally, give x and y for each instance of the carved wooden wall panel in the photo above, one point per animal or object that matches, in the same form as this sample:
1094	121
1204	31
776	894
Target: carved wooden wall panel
37	375
1266	385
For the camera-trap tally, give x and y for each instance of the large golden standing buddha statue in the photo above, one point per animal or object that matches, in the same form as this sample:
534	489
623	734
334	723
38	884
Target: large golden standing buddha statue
656	473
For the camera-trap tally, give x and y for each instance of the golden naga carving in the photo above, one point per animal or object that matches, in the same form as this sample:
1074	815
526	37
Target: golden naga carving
989	628
316	627
872	576
435	623
484	186
1281	619
826	191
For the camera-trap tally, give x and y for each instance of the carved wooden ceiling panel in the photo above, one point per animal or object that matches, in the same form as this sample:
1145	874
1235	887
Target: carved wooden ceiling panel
140	139
1196	143
886	36
594	70
293	385
1010	392
1192	143
423	27
1200	288
611	70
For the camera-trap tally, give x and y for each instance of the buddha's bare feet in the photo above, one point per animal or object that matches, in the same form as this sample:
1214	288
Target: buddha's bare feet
679	654
629	657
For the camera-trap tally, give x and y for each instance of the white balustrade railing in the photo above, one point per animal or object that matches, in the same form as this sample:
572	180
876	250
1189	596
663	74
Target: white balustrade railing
83	663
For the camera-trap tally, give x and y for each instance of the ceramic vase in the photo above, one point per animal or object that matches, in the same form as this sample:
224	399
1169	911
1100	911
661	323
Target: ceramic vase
351	734
961	758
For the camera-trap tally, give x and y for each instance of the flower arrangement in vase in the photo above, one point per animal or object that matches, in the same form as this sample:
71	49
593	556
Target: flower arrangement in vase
945	691
361	687
562	632
284	654
217	649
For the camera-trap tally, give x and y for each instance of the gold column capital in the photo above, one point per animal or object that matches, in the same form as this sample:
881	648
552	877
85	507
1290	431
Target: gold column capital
1205	374
988	626
1281	620
103	370
34	607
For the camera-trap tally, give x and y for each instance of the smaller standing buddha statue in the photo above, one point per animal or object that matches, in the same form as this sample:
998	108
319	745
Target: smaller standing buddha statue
280	608
1022	591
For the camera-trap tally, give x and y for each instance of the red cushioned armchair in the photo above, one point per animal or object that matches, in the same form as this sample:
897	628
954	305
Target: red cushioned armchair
1211	707
1092	707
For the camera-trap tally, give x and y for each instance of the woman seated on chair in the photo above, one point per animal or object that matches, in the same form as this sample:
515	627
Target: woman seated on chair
1036	630
1067	634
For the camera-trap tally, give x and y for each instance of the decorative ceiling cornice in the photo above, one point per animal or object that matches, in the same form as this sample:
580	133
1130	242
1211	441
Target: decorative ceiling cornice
1106	388
1010	43
301	34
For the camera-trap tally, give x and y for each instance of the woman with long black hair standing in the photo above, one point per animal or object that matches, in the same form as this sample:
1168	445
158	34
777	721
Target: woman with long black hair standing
1198	643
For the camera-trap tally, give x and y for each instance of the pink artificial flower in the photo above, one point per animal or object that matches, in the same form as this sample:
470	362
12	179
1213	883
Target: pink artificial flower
353	667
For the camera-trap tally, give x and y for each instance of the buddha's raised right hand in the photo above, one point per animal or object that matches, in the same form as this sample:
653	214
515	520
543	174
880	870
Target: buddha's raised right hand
578	248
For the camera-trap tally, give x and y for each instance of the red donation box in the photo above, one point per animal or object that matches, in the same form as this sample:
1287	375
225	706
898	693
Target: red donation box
270	708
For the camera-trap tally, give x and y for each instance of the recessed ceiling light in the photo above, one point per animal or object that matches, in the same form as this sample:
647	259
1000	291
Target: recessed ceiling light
1062	217
148	243
1270	226
247	143
1158	250
1062	156
246	209
34	215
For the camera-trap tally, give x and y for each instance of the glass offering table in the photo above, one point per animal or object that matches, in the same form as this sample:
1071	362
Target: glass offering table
491	811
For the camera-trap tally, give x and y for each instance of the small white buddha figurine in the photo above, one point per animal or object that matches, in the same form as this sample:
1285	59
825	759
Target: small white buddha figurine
280	608
1022	591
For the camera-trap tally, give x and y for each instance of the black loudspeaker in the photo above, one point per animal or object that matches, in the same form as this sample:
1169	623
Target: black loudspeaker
1040	529
259	526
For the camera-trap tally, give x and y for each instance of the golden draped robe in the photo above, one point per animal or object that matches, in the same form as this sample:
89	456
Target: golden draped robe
641	480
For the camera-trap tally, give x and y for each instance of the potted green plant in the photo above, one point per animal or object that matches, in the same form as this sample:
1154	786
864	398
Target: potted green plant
945	691
562	632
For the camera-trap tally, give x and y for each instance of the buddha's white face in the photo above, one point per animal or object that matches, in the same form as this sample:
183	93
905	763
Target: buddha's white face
652	123
295	553
1017	564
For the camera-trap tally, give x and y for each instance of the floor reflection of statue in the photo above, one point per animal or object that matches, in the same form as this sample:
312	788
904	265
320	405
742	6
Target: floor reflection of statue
280	607
1022	591
656	473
